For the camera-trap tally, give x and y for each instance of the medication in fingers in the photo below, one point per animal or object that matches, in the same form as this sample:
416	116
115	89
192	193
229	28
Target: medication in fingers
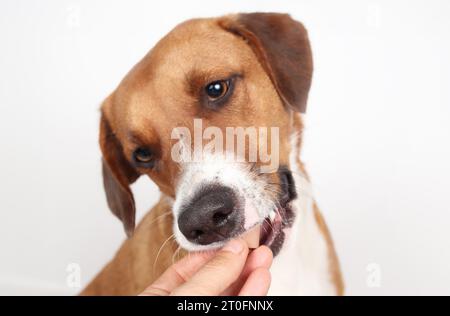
251	237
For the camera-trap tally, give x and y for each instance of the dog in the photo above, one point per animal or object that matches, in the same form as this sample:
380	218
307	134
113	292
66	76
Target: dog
249	69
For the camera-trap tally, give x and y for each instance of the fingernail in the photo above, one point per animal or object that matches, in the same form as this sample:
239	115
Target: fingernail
234	246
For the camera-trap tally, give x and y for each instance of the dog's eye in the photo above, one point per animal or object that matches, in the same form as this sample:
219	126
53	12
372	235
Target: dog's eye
142	155
217	89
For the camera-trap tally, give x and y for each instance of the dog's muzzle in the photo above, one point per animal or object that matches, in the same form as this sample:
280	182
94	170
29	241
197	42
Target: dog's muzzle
215	206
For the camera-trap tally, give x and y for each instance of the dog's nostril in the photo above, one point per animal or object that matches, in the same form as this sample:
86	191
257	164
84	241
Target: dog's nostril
196	233
220	217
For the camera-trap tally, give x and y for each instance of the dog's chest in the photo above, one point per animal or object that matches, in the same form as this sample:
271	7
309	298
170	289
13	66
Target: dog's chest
303	265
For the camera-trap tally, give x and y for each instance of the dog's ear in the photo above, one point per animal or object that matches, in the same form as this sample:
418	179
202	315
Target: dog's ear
118	174
282	47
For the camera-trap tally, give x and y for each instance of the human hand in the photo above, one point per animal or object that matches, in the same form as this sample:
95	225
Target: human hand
229	271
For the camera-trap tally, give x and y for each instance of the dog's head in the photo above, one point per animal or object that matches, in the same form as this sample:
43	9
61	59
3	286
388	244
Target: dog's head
241	71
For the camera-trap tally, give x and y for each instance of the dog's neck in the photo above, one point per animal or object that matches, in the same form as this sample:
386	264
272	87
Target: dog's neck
305	249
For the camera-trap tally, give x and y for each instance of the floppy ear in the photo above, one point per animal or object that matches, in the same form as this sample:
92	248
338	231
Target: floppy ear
282	47
118	174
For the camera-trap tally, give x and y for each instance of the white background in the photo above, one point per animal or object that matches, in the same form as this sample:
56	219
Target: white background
376	142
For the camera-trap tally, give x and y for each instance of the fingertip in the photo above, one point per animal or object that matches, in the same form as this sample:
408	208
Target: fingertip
264	255
257	284
236	246
218	273
266	250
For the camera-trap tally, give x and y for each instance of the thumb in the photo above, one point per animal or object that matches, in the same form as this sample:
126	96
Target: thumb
218	273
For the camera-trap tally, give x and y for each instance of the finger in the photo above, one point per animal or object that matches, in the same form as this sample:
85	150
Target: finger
257	283
219	273
261	257
178	273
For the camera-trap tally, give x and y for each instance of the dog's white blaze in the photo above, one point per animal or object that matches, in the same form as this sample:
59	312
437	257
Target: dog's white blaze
302	267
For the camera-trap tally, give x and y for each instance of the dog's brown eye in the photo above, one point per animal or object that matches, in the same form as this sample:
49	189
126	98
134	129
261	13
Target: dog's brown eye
142	155
217	89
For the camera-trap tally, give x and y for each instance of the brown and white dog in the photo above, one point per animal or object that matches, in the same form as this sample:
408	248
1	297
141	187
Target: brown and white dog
239	70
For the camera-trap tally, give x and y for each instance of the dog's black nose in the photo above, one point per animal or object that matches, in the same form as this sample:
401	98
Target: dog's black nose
212	215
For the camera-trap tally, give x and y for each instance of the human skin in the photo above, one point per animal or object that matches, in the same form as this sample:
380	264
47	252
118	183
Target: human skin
232	270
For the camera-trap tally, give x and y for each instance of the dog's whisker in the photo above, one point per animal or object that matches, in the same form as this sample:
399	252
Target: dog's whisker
270	224
160	250
274	190
298	188
160	217
175	254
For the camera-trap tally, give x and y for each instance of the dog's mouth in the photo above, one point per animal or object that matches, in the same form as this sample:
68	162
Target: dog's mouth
272	234
270	228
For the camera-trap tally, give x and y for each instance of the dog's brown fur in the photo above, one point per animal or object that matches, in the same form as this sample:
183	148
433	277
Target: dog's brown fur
160	93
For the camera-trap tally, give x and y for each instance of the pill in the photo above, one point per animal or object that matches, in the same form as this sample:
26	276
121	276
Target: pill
251	237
